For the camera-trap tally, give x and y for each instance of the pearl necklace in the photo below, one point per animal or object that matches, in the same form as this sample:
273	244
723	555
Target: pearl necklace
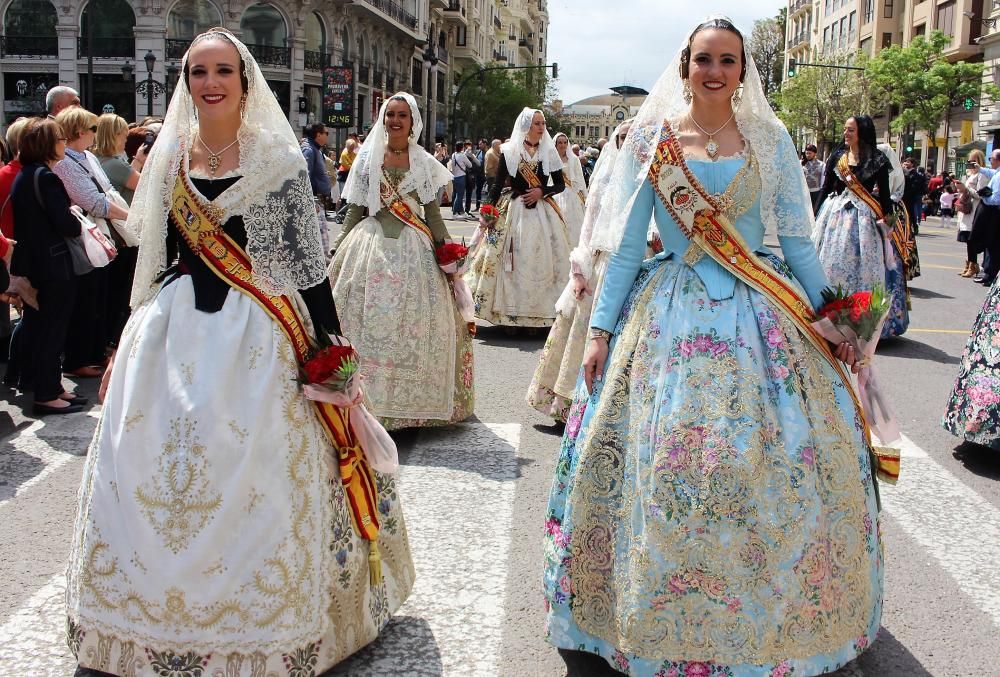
711	147
215	159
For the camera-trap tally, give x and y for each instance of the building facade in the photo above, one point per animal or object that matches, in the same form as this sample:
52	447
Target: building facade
421	46
825	29
596	117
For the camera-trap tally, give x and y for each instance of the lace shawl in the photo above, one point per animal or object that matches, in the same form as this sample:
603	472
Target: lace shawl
425	176
274	195
513	150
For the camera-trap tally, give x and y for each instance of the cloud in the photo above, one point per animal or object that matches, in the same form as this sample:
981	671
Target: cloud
600	44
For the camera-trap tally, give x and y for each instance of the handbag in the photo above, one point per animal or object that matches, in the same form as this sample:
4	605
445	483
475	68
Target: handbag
91	248
963	204
115	228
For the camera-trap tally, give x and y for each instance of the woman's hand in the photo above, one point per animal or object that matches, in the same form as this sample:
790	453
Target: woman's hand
106	379
845	353
532	196
580	286
593	361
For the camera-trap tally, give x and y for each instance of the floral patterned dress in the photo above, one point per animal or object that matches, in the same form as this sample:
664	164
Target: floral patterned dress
973	411
713	511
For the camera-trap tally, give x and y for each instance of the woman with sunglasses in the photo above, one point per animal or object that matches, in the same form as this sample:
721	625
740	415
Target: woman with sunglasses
80	170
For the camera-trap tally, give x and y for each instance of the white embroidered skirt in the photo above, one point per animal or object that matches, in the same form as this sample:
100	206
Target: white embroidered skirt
211	533
397	309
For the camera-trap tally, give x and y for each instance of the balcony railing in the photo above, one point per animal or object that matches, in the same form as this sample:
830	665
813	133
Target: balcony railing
175	48
29	46
395	11
497	23
799	38
271	55
523	42
497	56
455	6
315	61
799	4
107	48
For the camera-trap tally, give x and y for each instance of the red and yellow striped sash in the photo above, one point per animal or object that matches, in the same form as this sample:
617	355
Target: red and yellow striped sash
534	182
853	185
397	206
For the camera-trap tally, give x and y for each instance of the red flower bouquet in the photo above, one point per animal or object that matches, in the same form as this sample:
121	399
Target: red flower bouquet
453	259
857	319
332	375
488	216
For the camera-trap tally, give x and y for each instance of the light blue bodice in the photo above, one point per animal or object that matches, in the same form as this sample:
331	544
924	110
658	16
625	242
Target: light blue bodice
623	266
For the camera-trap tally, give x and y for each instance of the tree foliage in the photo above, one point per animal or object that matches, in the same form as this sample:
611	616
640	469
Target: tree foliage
820	99
489	103
767	47
925	86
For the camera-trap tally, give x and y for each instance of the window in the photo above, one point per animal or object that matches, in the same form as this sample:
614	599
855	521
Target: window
416	77
887	14
826	39
886	40
852	27
946	18
460	36
867	11
842	43
263	25
920	30
189	18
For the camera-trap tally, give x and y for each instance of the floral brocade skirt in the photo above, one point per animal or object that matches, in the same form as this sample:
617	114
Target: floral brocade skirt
713	511
552	387
852	252
398	309
214	535
973	410
520	267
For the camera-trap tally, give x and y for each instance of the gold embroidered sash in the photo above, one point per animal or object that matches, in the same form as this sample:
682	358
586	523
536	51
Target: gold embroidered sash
706	226
534	182
853	185
200	226
399	208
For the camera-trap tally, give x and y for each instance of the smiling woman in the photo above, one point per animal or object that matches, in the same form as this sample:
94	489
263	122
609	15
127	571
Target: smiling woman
230	541
713	510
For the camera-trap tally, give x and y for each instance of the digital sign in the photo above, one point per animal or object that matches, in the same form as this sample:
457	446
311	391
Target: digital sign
338	96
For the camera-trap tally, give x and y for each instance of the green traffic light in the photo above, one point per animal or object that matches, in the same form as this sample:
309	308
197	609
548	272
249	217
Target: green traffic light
792	63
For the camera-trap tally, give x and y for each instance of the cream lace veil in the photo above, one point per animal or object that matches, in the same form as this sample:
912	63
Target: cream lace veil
426	174
513	151
572	169
897	179
784	187
274	195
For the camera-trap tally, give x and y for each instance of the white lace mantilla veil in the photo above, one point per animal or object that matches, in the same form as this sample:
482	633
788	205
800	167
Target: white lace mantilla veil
571	166
582	254
784	187
426	174
897	179
513	150
274	195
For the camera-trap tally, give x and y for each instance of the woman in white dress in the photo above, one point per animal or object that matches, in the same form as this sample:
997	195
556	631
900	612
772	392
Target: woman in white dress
520	265
573	200
226	524
551	389
395	303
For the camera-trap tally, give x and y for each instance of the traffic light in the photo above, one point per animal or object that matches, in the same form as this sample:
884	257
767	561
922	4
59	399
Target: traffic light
908	143
792	63
969	103
555	71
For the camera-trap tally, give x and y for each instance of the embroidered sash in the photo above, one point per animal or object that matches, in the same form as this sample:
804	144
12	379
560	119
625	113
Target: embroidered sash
534	182
853	185
200	226
705	225
902	236
399	208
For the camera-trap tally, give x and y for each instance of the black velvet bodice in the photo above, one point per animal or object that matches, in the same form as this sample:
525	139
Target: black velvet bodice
210	291
519	185
872	173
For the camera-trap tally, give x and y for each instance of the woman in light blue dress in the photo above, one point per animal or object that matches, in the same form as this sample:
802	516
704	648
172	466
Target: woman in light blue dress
713	510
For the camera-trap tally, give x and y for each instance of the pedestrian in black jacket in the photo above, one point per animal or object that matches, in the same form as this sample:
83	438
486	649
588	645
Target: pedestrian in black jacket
42	222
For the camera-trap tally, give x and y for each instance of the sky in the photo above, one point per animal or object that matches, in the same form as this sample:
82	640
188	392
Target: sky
593	55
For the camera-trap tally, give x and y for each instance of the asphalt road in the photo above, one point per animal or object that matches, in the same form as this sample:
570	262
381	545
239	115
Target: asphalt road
475	496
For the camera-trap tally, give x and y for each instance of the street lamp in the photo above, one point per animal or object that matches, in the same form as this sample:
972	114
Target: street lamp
430	61
149	87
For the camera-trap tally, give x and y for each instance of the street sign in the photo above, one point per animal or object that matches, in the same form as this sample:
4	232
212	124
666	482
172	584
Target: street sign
338	96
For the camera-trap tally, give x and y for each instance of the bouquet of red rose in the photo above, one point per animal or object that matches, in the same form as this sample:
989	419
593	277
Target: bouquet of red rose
453	259
488	216
857	319
332	375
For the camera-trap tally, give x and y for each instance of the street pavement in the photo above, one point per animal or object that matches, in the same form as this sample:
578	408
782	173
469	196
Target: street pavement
475	495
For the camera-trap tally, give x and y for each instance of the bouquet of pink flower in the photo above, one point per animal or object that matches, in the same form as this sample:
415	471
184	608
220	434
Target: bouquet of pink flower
331	375
857	319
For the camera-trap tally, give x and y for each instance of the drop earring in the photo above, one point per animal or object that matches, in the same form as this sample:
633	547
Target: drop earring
738	97
687	91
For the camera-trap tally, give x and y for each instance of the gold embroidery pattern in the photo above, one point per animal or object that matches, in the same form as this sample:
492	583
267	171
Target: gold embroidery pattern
666	550
179	501
132	421
255	354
